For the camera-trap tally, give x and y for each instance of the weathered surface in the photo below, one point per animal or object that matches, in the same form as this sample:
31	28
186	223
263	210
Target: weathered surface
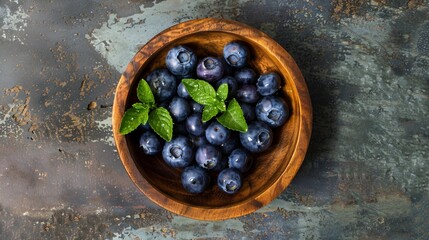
364	177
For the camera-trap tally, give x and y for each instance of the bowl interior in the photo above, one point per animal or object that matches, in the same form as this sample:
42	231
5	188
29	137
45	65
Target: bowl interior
268	166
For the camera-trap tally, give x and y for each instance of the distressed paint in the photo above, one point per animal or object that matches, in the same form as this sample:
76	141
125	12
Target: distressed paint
14	22
365	174
119	38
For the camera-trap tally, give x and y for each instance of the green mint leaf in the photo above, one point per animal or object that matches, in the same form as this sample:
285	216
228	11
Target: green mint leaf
222	92
209	112
162	123
200	91
132	118
139	106
144	111
220	105
233	117
144	94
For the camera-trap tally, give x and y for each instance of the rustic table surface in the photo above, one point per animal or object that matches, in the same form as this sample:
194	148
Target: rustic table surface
365	175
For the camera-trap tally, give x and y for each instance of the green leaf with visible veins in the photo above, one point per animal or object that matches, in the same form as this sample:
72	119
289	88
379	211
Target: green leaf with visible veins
132	118
145	111
144	93
161	122
221	106
209	112
200	91
233	117
222	92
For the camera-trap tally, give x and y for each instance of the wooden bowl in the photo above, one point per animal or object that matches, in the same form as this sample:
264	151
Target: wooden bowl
273	170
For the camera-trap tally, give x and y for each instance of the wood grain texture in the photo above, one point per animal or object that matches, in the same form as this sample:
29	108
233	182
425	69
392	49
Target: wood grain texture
273	170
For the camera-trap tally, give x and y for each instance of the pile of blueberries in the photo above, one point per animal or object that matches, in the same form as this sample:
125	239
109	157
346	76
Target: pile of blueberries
200	147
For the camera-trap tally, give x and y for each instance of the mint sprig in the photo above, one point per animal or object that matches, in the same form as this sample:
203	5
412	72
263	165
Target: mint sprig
201	91
209	112
233	117
133	117
161	123
146	111
214	102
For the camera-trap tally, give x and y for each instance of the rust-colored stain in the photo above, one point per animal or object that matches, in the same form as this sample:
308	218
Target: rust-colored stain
346	8
19	109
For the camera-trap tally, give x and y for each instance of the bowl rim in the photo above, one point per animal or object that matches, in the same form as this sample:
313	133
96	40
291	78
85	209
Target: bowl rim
305	120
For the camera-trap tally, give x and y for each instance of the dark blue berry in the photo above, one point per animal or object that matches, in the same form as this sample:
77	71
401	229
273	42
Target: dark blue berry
181	60
210	69
232	143
245	76
235	54
232	85
217	134
258	137
207	156
195	125
268	83
247	94
151	143
248	111
162	83
272	110
182	92
196	107
240	159
229	180
178	152
198	140
221	165
179	109
195	179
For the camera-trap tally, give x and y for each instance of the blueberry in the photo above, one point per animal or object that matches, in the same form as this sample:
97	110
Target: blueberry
217	134
195	125
196	107
268	83
247	94
258	137
181	60
210	69
178	152
245	76
207	156
198	140
151	143
232	143
248	111
235	54
272	110
232	85
179	109
162	83
221	165
182	92
229	180
195	179
240	159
